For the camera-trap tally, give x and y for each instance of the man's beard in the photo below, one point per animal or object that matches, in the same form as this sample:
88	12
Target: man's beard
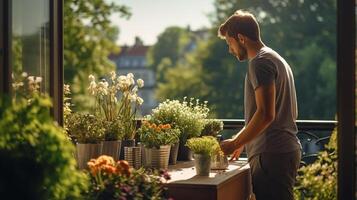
242	52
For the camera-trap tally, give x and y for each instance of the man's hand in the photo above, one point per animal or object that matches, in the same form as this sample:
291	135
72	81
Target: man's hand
228	146
236	154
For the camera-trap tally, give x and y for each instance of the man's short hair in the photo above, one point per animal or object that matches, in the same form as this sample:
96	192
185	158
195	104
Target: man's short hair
241	22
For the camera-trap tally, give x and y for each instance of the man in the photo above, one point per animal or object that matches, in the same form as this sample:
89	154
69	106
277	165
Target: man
270	106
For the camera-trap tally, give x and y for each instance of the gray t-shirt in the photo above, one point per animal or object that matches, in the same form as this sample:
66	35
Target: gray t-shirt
280	137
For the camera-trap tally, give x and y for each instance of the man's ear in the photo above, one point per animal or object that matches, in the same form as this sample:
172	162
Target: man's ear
241	38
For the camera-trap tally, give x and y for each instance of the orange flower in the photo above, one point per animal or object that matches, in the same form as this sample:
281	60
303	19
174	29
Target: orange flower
153	126
123	167
109	169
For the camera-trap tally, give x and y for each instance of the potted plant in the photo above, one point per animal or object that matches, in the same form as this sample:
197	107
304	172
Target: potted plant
112	138
212	127
87	131
204	148
116	180
157	139
106	93
187	116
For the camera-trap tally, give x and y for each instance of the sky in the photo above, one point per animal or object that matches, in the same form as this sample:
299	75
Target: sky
150	18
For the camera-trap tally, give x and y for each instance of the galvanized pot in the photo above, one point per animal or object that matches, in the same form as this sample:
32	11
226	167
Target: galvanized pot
157	158
133	156
202	164
125	143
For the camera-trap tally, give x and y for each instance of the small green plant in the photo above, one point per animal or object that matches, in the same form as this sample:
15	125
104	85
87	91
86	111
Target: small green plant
155	135
36	156
319	179
85	128
114	130
110	180
206	145
212	127
187	116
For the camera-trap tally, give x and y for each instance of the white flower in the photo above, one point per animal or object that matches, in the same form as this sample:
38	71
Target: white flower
31	79
121	78
133	97
131	81
139	100
113	75
91	78
38	79
135	89
24	74
140	82
92	87
130	75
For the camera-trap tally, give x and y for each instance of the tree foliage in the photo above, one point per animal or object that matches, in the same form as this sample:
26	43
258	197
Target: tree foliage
169	50
89	38
303	32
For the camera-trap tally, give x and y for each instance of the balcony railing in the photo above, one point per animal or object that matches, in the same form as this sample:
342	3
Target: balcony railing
313	135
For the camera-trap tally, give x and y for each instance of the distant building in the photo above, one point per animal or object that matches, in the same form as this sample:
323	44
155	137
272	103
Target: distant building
132	59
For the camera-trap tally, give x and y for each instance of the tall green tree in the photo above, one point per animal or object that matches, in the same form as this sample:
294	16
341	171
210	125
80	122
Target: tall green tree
89	38
169	49
304	32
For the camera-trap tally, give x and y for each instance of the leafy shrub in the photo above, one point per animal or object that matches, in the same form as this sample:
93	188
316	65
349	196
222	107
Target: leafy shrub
114	130
85	128
319	179
36	157
206	145
212	127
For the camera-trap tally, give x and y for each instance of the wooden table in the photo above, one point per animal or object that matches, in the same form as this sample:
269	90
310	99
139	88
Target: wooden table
233	183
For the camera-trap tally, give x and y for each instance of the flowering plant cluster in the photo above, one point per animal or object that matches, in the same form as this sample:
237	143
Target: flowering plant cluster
116	180
106	95
155	135
26	86
187	116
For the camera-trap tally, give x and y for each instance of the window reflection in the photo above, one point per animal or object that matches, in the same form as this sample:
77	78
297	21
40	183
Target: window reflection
30	44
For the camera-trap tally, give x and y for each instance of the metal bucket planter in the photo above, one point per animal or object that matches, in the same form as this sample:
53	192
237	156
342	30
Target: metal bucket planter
202	164
157	158
85	152
173	153
133	156
125	143
112	148
184	153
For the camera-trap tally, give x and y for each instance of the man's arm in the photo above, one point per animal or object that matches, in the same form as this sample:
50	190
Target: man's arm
262	118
